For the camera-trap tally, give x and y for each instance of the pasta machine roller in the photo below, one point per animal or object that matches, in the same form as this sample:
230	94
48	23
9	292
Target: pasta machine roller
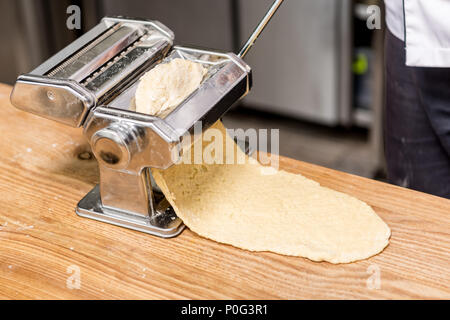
91	84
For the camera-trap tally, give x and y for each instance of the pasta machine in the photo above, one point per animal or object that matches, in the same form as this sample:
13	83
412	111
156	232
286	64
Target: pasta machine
91	84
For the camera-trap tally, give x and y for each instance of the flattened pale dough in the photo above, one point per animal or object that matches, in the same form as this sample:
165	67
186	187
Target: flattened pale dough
164	87
281	212
253	207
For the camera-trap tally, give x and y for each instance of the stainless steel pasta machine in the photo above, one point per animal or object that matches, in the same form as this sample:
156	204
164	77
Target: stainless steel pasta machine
91	84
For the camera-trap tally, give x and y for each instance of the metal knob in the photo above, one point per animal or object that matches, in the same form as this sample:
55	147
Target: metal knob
115	145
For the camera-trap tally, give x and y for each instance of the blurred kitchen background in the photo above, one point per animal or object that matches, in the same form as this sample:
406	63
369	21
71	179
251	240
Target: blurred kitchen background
318	69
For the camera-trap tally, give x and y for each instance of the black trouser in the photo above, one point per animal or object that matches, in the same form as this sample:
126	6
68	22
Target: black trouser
417	123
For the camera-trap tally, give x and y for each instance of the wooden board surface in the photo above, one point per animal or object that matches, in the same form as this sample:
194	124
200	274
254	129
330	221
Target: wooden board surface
43	243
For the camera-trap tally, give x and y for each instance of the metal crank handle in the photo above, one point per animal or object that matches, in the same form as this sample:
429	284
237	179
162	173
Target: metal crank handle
259	29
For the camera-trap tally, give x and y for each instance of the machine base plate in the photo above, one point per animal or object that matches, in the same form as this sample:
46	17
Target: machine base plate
165	224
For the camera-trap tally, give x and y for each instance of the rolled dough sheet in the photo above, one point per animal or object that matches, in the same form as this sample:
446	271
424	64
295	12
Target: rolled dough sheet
261	209
164	87
250	206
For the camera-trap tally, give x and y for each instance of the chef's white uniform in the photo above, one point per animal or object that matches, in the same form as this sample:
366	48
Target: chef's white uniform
424	25
417	111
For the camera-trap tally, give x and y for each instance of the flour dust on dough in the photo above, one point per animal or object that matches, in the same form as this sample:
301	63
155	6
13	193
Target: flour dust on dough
167	85
244	206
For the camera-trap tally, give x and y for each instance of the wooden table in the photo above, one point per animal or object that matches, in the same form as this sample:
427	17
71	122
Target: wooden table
43	244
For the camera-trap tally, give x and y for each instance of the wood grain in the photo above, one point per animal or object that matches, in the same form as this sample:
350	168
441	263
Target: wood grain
43	176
